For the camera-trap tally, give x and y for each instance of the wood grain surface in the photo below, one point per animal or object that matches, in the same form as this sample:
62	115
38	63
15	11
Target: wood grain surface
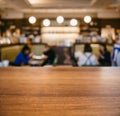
59	91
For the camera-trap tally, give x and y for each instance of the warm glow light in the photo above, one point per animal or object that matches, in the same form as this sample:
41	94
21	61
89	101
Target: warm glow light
60	19
32	20
46	22
34	1
87	19
73	22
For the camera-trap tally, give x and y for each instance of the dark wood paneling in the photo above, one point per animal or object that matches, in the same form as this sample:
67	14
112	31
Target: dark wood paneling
113	22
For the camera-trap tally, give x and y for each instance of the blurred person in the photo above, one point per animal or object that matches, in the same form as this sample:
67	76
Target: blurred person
22	39
23	57
48	56
37	39
104	56
116	53
29	42
86	58
117	63
67	57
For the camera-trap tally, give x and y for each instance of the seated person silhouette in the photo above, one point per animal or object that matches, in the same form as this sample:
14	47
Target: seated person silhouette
48	56
23	57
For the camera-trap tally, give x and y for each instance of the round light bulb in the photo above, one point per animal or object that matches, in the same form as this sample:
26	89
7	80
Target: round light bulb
87	19
32	20
46	22
73	22
60	19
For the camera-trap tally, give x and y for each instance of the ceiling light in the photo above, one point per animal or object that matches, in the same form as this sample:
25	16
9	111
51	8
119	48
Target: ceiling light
73	22
32	19
46	22
60	19
87	19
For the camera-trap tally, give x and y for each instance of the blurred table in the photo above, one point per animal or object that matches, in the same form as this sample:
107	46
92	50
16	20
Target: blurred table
36	62
59	91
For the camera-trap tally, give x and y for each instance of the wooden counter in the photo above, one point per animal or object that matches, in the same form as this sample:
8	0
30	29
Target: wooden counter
59	91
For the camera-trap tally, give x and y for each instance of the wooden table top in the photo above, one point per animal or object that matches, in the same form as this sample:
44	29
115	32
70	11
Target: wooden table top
59	91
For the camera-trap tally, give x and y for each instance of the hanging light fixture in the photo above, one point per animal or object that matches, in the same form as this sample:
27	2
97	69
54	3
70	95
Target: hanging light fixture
73	22
87	19
46	22
32	20
60	19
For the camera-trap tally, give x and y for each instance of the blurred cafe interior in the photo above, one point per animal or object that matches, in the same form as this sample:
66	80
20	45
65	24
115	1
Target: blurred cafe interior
64	27
59	57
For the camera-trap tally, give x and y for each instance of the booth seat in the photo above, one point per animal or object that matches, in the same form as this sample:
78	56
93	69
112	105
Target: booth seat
95	47
10	52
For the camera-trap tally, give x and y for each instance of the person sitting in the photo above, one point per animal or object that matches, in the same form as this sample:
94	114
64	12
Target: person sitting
48	56
23	57
116	54
86	58
67	57
105	56
29	42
